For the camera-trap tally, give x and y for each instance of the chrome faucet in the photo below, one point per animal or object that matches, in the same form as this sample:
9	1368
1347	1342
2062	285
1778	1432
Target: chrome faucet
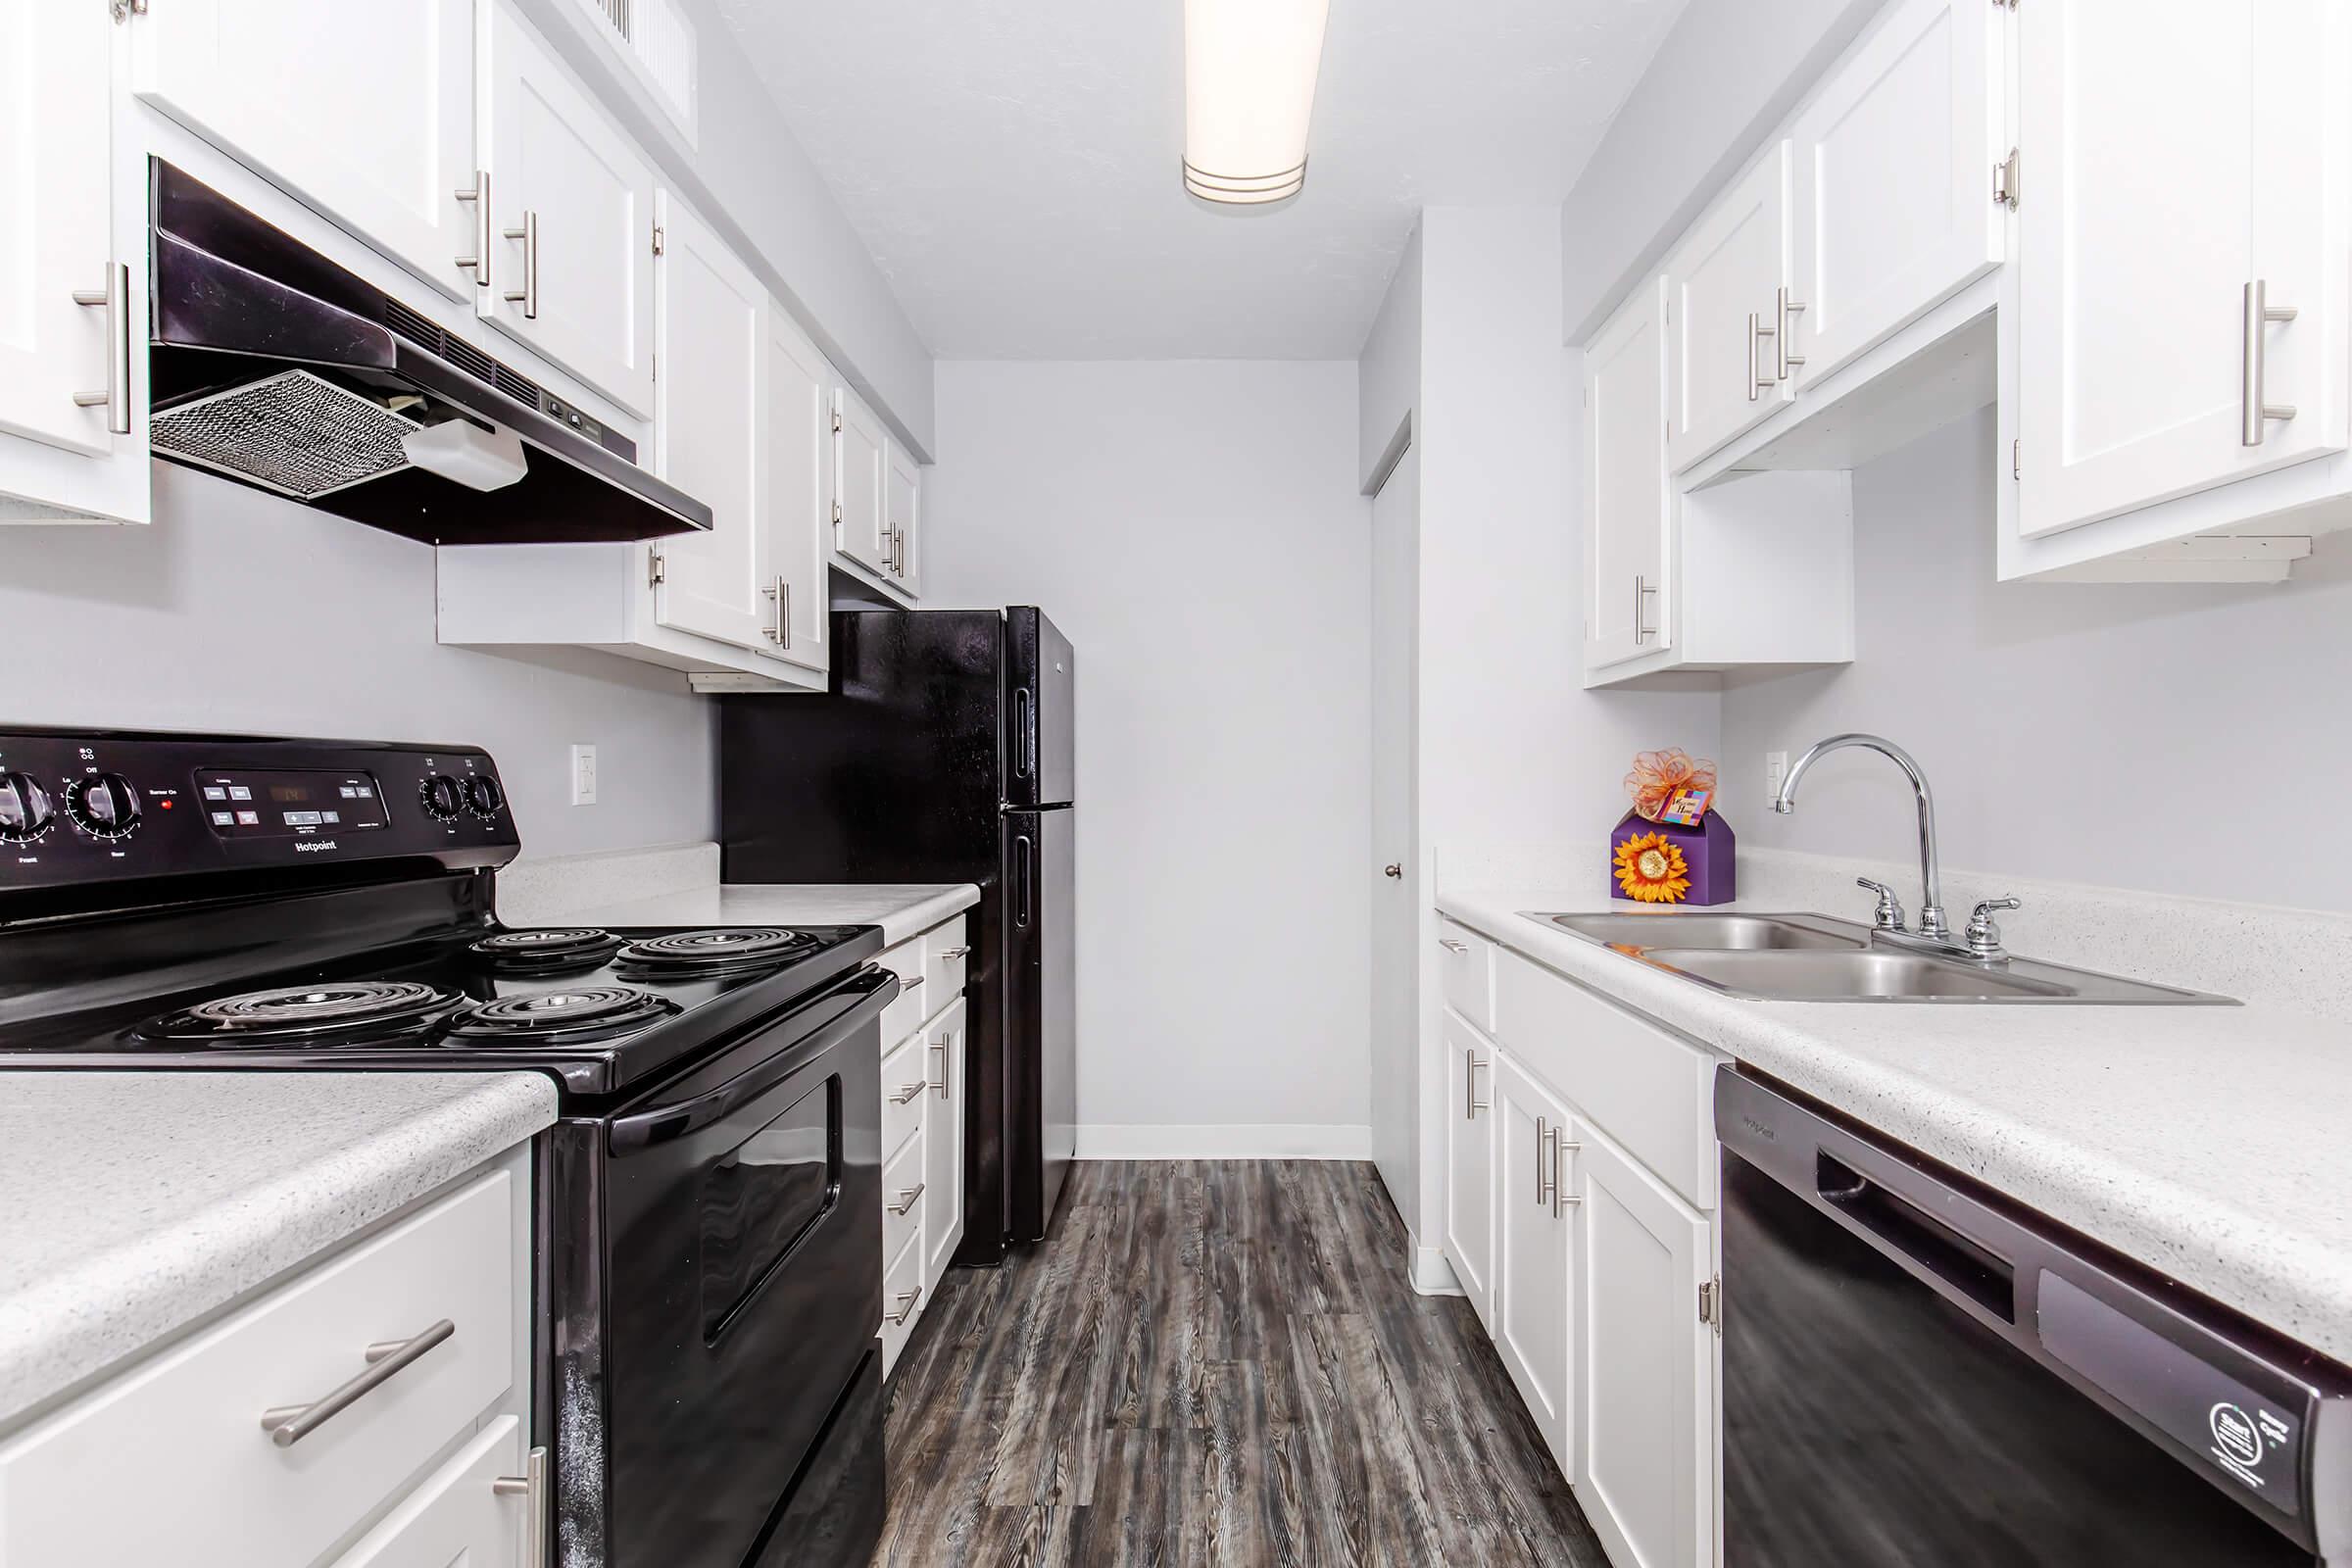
1933	933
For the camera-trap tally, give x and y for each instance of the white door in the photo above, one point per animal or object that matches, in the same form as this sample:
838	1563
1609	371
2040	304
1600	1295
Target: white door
800	488
572	229
942	1140
2173	156
1723	297
861	529
1628	503
711	317
1644	1420
1396	1094
1894	179
1469	1085
363	108
1535	1306
59	358
458	1516
902	495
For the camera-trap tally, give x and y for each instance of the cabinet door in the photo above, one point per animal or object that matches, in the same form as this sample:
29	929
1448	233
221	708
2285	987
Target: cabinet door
572	229
1894	179
1723	288
58	458
902	495
1533	1302
860	528
1470	1191
943	1145
711	317
2165	169
458	1516
1627	504
363	108
1645	1395
800	489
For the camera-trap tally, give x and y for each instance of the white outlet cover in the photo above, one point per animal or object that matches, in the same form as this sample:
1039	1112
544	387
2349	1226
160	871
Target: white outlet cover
583	776
1775	769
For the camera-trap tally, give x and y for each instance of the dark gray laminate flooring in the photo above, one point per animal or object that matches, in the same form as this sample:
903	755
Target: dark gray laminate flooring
1215	1363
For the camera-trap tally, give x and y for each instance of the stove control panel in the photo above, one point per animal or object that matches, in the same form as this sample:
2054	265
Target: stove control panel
80	809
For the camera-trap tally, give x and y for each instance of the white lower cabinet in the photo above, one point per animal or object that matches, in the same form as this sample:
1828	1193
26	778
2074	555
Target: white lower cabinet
1578	1191
923	1109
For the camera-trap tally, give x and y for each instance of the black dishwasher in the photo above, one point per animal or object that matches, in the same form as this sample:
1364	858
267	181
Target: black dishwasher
1917	1373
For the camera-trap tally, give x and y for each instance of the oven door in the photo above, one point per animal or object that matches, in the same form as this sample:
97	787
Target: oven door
743	1253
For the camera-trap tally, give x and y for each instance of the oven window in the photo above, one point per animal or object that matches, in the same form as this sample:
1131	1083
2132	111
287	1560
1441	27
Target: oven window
762	1199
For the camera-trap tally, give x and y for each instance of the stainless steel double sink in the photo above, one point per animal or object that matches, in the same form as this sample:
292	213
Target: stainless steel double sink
1816	957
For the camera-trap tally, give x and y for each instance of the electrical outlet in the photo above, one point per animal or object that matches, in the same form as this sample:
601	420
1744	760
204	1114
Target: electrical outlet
583	776
1776	770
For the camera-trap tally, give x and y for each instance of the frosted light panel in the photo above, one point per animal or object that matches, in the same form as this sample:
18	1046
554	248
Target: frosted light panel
1249	92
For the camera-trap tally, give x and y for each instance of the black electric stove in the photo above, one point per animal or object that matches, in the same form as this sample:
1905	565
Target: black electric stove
710	1206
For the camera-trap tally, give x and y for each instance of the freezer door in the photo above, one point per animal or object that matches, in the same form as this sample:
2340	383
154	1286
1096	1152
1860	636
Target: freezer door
1040	740
1041	1014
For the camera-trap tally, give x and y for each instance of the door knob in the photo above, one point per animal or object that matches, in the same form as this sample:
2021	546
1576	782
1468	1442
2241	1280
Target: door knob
1392	869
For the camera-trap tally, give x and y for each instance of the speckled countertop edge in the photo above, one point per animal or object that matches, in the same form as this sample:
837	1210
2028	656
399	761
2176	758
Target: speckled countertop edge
2205	1142
900	910
141	1202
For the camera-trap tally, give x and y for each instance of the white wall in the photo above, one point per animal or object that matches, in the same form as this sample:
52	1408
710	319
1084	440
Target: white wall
237	612
2130	735
1388	366
1194	528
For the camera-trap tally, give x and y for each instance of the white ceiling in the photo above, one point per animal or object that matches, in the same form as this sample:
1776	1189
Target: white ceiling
1014	165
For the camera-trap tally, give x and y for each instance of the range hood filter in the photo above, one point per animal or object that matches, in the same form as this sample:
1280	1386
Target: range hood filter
295	433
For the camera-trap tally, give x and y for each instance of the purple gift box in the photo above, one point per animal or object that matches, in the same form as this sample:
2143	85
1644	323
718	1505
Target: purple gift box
1709	854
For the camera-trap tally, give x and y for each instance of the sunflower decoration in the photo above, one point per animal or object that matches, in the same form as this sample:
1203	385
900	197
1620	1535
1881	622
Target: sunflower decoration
1651	869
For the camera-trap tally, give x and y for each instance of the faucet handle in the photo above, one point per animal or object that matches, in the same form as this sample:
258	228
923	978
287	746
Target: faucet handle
1888	915
1983	935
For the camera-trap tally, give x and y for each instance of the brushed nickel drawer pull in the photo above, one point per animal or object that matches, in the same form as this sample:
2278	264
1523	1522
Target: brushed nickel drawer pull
114	300
907	1199
951	954
289	1424
530	1486
906	1094
907	1300
1454	947
940	1083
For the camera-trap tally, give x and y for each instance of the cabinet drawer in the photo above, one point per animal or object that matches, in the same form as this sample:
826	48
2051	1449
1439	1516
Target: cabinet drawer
949	951
903	1196
915	1001
1468	962
1645	1088
458	1516
902	1299
906	1086
185	1431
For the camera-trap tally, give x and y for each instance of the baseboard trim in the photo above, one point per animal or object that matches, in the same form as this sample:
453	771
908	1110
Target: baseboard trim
1265	1141
1433	1275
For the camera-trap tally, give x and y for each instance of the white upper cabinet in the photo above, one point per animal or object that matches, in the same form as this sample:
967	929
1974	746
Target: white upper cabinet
1627	504
571	219
72	300
1894	165
362	108
800	490
1727	286
860	525
901	503
709	434
2177	167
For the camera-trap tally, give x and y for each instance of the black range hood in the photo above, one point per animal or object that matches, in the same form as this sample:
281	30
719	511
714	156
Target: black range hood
271	365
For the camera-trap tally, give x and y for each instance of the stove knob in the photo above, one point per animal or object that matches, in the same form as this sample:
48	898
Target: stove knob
26	811
442	797
105	805
483	797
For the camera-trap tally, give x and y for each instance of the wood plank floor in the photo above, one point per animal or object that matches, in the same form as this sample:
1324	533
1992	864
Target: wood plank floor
1215	1363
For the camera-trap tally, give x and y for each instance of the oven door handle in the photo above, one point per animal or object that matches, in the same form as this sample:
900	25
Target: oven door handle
663	1123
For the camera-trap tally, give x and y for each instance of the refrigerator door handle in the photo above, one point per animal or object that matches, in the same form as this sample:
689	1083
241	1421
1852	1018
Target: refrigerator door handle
1025	733
1023	882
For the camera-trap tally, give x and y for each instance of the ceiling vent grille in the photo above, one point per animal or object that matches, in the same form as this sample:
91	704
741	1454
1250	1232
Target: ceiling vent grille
657	42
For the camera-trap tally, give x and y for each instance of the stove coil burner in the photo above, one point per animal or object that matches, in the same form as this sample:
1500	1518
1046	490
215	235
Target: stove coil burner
716	951
566	1015
555	947
340	1007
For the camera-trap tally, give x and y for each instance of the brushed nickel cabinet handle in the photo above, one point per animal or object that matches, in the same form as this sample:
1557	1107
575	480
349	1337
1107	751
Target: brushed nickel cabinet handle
2260	313
1559	1150
909	983
114	299
1454	947
1471	1104
531	1486
1544	1133
907	1300
1789	308
940	1083
529	294
1644	591
1754	385
907	1096
907	1199
953	953
781	592
479	263
289	1424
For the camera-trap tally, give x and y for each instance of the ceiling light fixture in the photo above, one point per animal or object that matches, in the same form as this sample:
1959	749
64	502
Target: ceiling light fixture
1249	90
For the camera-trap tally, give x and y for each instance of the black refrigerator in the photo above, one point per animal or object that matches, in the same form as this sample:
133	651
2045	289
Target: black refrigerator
943	751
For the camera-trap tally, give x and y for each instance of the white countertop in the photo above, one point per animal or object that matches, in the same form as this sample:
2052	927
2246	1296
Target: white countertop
137	1203
901	908
2208	1143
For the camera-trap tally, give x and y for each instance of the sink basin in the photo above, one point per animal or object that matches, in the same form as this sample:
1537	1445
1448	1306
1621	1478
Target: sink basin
1815	957
1726	932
